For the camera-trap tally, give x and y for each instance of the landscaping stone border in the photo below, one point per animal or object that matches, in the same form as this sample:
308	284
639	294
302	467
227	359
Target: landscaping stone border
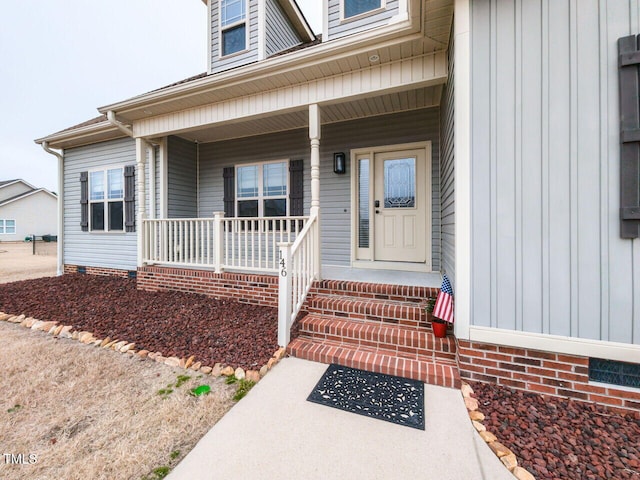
506	456
128	348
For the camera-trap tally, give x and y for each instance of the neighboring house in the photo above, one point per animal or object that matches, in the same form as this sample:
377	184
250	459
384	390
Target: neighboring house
479	138
26	210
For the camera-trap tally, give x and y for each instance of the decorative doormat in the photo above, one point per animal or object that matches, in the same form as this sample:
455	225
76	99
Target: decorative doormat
376	395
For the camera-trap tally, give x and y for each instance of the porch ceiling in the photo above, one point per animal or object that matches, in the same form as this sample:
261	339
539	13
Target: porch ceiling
438	19
338	112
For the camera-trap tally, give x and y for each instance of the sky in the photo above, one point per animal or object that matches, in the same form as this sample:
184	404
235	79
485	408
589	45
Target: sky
62	59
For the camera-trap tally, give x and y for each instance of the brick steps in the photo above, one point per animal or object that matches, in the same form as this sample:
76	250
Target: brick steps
408	314
442	373
376	327
400	341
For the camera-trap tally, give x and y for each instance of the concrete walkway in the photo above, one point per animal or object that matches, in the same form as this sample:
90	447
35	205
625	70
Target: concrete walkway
274	433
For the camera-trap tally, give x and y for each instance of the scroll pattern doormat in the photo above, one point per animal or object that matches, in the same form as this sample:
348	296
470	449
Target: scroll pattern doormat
376	395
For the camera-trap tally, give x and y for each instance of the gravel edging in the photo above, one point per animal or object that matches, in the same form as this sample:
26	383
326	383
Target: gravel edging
553	437
128	348
506	456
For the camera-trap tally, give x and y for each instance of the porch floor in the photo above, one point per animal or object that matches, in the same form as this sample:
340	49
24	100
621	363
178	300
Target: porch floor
389	277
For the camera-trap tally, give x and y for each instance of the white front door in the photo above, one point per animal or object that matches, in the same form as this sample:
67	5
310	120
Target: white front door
400	206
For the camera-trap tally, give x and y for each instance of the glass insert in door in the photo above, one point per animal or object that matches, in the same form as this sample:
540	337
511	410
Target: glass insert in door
400	183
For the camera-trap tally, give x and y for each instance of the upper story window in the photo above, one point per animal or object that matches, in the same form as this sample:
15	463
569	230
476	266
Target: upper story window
353	8
7	227
106	200
233	26
261	189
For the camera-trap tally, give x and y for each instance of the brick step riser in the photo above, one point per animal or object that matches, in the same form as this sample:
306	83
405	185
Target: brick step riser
405	315
387	349
406	343
440	374
400	293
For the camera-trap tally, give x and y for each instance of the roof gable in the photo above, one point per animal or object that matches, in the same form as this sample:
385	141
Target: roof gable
24	195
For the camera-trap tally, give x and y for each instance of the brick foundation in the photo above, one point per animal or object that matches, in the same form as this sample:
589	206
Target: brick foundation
110	272
538	371
246	288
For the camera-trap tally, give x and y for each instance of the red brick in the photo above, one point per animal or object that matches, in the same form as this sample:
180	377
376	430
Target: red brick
573	359
542	389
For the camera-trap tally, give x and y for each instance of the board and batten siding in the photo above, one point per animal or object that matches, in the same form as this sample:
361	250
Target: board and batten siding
447	172
182	183
546	252
335	190
279	32
339	28
219	63
109	250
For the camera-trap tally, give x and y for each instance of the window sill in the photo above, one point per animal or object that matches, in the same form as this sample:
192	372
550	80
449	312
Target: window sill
235	54
360	16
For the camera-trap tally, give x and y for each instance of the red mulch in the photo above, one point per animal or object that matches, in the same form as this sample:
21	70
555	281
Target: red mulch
557	438
174	323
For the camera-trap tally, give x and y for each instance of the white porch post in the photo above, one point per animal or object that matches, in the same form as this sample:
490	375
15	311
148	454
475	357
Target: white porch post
141	157
218	243
285	287
314	135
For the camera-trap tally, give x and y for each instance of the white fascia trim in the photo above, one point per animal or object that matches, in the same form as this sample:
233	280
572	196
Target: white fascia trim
27	194
298	20
77	133
350	45
209	37
463	167
623	352
325	20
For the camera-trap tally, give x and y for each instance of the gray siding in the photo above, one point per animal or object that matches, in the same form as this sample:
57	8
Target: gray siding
339	28
182	178
280	34
335	190
111	250
251	55
546	252
447	173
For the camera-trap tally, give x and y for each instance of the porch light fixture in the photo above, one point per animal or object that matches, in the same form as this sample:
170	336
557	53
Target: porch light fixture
339	163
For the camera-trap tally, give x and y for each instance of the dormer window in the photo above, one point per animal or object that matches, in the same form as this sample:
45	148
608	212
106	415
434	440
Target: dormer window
355	8
233	26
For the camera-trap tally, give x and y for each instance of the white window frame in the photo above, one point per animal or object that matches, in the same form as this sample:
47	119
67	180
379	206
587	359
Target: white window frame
343	19
261	197
106	200
3	226
222	29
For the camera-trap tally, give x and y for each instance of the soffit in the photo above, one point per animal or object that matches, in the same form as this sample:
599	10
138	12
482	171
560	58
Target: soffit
333	113
438	19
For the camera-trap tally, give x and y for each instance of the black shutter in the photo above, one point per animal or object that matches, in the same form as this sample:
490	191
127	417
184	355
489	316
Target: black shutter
296	188
84	201
629	91
130	198
229	198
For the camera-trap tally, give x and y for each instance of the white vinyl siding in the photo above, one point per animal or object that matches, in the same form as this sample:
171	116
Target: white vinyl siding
547	256
35	214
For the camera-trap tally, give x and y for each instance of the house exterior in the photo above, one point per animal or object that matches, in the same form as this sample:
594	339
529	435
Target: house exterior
339	177
26	210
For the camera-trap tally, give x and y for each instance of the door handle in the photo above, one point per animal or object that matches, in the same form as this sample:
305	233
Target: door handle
376	204
378	212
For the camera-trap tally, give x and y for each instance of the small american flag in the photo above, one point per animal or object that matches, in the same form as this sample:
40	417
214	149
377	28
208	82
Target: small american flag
444	303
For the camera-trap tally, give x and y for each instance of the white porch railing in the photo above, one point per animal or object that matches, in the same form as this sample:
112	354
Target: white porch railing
298	269
220	243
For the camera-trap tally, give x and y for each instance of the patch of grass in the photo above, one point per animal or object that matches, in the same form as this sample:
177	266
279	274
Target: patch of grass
14	409
175	454
244	386
158	473
182	379
230	380
165	392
